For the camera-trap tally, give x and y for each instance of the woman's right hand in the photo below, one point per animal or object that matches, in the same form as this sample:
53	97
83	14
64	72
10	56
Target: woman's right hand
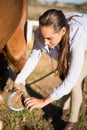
16	86
20	86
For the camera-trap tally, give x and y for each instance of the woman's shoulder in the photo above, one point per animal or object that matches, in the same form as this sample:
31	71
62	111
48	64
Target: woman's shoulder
78	19
69	14
38	40
37	32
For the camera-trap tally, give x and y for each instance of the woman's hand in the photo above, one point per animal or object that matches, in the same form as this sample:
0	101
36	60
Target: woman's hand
33	102
17	86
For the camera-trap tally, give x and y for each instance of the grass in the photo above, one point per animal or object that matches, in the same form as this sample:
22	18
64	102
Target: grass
24	120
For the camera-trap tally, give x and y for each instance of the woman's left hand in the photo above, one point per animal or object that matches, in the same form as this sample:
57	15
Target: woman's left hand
33	102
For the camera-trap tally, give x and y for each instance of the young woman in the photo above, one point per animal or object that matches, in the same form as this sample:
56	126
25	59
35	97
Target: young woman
66	37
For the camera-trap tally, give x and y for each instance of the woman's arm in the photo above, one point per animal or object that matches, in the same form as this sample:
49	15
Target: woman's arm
76	64
28	68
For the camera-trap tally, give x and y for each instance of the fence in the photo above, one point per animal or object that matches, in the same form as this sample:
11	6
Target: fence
30	25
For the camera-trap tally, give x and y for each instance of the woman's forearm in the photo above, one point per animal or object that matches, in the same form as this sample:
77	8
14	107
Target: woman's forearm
29	66
48	100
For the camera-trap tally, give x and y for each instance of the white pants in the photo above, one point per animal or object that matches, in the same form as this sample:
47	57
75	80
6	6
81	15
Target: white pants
74	99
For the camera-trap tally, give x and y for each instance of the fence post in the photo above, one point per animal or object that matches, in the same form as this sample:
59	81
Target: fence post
30	25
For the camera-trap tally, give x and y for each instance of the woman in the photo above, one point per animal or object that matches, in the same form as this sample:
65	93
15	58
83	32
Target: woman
65	37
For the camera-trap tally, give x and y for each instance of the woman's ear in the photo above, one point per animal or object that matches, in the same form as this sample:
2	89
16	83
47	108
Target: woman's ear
63	30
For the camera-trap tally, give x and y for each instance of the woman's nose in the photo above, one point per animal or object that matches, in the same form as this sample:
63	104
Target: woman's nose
46	42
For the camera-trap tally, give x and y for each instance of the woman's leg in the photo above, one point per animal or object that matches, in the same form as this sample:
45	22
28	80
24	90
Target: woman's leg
65	102
76	94
76	99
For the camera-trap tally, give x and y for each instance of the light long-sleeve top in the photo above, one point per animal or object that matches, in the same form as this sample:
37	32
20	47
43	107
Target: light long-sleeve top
78	46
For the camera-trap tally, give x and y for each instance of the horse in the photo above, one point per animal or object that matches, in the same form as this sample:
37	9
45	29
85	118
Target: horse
13	43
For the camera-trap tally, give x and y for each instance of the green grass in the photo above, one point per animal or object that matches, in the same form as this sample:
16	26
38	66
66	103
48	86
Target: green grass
24	120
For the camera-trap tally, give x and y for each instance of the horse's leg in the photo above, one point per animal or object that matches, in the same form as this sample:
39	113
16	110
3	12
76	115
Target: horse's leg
4	73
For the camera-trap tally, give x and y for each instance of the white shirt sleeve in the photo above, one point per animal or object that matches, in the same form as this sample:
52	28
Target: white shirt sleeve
76	63
29	66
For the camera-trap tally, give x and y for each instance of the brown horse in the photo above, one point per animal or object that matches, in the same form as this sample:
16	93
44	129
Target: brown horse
13	17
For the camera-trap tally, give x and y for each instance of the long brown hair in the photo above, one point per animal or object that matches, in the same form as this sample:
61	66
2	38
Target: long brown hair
57	19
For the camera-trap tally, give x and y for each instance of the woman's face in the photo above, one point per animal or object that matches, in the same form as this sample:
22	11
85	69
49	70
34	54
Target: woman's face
50	37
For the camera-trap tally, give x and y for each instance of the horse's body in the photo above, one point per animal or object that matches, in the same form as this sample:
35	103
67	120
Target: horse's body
13	17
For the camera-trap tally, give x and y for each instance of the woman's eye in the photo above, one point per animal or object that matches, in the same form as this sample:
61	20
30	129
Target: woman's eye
49	39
